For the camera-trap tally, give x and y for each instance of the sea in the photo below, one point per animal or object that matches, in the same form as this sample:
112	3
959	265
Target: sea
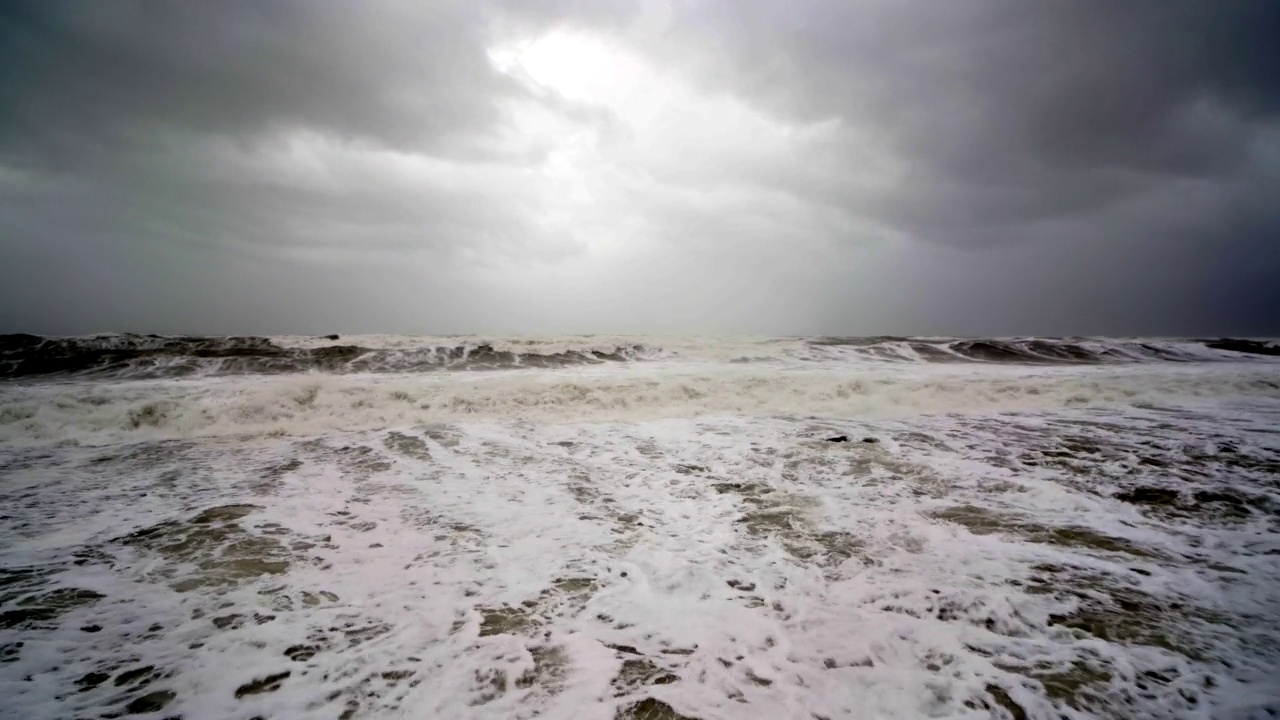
639	528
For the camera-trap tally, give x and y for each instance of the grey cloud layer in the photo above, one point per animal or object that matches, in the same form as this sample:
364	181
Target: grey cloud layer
977	166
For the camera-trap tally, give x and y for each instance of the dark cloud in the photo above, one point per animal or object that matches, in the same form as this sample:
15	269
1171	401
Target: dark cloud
84	77
1011	111
976	166
1119	158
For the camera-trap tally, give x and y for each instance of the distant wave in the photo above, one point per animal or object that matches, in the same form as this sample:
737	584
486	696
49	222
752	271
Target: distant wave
131	356
1055	351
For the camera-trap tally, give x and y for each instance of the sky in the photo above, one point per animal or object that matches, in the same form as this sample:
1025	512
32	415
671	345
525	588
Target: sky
967	167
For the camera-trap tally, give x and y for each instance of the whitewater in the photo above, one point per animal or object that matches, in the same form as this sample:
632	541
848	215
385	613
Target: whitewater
639	528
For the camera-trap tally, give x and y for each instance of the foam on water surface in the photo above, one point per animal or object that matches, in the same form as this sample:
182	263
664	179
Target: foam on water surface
311	404
1043	561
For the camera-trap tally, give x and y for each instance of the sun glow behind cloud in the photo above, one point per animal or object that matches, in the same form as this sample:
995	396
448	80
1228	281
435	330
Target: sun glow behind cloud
582	67
655	175
617	128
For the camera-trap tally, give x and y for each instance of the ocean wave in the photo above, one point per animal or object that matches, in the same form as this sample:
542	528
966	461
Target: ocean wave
135	357
129	356
1046	351
320	404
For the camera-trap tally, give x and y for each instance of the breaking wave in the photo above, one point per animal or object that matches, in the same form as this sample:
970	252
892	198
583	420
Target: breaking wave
1048	350
141	357
97	412
128	356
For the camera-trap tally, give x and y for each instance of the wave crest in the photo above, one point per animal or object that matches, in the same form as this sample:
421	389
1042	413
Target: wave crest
1044	351
129	356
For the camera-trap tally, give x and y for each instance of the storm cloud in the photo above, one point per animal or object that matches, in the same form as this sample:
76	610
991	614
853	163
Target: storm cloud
881	166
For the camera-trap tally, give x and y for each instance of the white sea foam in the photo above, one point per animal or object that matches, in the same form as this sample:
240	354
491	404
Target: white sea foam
676	536
309	404
726	567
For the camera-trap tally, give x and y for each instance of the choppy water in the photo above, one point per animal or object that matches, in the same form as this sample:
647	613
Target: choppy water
665	531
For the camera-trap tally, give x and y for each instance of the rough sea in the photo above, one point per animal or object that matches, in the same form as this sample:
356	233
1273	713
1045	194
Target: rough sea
638	528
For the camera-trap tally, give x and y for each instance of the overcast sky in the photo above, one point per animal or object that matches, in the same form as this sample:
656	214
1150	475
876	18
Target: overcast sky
967	167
